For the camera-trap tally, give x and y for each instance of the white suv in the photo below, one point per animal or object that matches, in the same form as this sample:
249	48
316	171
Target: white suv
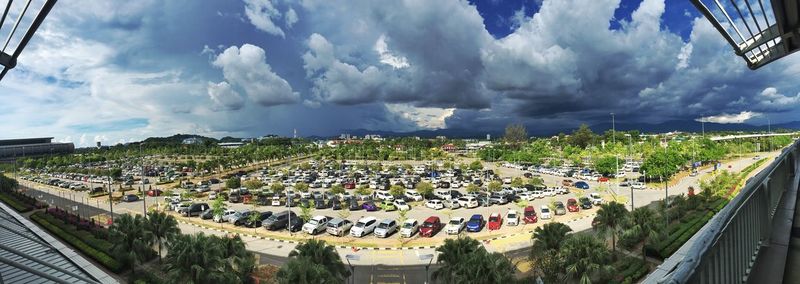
413	195
468	201
364	227
434	204
455	225
410	227
545	212
512	218
316	224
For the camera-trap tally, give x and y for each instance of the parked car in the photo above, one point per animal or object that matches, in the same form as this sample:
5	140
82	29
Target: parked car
451	204
529	215
154	192
279	220
413	195
250	223
561	190
334	203
316	224
225	216
455	225
353	205
364	226
276	201
572	205
295	224
585	203
560	209
545	212
387	206
495	221
430	227
475	223
497	199
239	218
566	182
595	198
386	228
468	201
130	198
401	205
582	185
435	204
369	206
195	209
512	218
208	214
338	226
409	228
638	185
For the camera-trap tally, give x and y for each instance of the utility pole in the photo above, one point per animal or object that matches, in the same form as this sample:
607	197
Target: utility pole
616	158
144	194
703	123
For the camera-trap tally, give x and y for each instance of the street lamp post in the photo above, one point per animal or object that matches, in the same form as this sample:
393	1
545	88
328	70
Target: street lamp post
616	158
429	258
353	257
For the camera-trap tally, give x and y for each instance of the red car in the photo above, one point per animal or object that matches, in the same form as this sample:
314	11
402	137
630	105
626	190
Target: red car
602	179
154	192
495	221
529	216
572	205
349	185
430	227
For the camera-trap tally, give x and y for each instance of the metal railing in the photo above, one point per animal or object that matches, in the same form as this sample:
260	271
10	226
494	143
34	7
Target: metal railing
727	247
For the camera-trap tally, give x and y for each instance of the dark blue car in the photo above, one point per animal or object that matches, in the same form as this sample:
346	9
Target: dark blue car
582	185
475	223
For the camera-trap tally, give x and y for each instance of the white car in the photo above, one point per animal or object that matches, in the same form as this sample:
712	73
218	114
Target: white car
561	190
455	225
401	205
468	201
386	228
409	228
549	191
383	195
595	198
537	193
544	212
413	195
364	227
276	201
637	185
317	224
443	194
338	226
212	196
512	218
225	215
527	196
435	204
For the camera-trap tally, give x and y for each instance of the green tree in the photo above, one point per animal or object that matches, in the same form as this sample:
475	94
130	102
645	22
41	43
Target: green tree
645	224
218	206
320	253
586	258
515	133
304	270
337	189
253	184
363	190
517	182
201	259
476	165
396	190
277	187
301	186
550	237
306	210
538	181
472	188
233	183
609	220
162	227
424	188
582	137
495	186
605	165
132	240
465	260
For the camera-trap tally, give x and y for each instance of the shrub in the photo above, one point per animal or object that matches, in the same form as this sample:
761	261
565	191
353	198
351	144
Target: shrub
14	203
101	257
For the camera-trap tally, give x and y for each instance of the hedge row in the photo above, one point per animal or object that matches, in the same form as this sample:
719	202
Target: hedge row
629	270
99	256
675	241
16	204
87	237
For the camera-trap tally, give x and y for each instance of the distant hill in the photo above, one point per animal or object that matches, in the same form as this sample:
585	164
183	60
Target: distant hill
176	139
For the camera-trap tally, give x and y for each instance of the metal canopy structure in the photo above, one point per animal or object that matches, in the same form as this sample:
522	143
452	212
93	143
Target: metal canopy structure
759	31
19	39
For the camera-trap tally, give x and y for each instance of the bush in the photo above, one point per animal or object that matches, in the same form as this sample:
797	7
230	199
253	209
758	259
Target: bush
14	203
99	256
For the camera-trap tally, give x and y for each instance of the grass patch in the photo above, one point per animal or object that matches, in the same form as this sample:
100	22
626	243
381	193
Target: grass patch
79	241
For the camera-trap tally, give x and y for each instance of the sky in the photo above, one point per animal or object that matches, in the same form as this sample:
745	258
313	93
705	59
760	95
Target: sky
121	71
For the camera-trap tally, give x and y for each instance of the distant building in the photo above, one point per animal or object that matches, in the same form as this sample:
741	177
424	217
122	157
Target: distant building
192	141
374	137
478	145
345	136
231	145
488	137
449	147
29	147
441	137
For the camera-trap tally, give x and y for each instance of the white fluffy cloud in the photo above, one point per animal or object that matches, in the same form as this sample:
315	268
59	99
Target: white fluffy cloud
224	96
246	68
262	14
730	118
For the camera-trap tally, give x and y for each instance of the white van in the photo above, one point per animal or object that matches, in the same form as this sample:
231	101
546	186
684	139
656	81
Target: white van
468	201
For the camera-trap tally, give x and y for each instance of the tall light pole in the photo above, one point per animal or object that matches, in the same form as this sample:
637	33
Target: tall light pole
429	258
353	257
616	158
629	153
144	194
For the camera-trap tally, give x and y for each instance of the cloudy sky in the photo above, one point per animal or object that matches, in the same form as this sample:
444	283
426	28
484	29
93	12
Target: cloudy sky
122	70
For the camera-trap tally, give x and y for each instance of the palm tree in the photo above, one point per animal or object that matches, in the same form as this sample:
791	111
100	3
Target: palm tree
609	220
197	259
484	267
132	239
585	257
550	236
317	251
239	260
304	270
452	253
162	227
646	224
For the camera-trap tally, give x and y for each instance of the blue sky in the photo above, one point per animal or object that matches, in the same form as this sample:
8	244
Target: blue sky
118	71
